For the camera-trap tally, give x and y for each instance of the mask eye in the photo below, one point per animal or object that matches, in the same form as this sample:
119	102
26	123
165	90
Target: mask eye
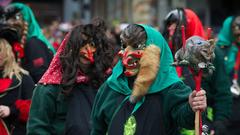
93	44
18	16
141	46
198	42
123	46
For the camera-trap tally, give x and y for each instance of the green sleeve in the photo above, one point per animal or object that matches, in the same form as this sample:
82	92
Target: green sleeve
42	110
105	105
99	126
177	107
218	89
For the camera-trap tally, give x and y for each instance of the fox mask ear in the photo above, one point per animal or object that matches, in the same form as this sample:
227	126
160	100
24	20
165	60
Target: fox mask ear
149	66
211	41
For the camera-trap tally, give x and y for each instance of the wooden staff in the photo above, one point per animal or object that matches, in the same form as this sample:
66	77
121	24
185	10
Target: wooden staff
198	116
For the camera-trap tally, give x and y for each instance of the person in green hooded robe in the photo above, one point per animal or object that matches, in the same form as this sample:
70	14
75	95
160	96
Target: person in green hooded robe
33	50
144	95
229	42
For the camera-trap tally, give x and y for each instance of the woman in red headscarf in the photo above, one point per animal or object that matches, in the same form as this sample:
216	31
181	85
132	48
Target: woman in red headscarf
173	22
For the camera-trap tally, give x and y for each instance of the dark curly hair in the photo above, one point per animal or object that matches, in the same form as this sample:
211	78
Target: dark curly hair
177	16
103	57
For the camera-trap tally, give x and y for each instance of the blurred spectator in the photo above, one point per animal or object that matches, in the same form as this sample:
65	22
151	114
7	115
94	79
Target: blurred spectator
36	51
229	42
16	87
62	30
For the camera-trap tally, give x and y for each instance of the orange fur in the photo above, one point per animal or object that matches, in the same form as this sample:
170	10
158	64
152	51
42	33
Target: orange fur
149	65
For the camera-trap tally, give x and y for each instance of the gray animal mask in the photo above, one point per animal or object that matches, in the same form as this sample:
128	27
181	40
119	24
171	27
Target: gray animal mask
197	54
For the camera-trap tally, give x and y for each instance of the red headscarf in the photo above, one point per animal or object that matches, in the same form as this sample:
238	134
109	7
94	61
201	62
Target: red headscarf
194	26
54	73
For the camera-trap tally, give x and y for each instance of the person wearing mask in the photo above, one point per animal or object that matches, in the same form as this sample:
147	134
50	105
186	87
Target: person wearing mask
144	95
217	85
63	100
33	50
229	41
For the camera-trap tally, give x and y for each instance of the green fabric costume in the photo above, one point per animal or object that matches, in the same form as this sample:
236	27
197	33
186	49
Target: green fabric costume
34	29
217	88
226	39
174	93
50	108
176	110
165	77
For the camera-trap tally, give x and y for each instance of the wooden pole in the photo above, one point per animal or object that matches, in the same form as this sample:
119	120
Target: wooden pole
198	116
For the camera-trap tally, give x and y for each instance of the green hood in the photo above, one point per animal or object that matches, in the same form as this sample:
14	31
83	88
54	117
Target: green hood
225	38
33	27
166	75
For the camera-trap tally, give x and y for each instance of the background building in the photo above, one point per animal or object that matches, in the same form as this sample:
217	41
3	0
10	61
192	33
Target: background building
211	12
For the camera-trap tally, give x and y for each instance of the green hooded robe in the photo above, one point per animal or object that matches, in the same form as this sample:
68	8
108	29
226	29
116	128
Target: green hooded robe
226	39
174	95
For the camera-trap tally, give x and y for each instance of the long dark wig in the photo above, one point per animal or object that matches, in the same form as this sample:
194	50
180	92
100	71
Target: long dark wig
103	57
177	16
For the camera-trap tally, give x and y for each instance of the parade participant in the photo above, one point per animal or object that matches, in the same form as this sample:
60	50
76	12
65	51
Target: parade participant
217	85
63	100
173	22
144	94
33	51
15	93
229	41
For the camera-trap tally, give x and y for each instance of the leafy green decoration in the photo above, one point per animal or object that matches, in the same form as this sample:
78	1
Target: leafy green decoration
130	126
